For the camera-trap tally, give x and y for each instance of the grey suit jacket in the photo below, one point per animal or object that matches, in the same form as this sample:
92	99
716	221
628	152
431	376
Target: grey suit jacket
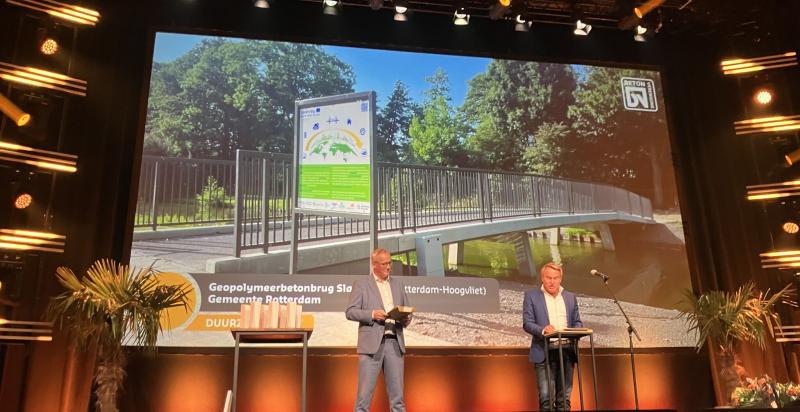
364	298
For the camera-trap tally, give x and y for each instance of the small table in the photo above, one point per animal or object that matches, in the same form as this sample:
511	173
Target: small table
574	336
255	335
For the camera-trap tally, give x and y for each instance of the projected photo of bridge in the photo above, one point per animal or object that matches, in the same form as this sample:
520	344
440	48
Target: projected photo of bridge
502	165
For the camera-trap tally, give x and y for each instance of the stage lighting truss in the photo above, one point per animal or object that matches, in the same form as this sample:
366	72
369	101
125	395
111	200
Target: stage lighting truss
767	124
29	240
32	76
43	159
776	61
63	11
773	190
22	331
780	259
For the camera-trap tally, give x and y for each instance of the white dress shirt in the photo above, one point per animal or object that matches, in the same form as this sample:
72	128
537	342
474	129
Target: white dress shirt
556	312
388	302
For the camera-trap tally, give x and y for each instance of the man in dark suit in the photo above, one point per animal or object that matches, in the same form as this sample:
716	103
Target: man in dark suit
380	339
544	311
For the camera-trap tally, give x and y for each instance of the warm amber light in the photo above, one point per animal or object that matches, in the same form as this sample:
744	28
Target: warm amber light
791	227
504	3
13	112
49	47
768	196
763	97
781	253
32	233
23	200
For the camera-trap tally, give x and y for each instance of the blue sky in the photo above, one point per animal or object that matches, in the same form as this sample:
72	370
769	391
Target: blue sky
374	69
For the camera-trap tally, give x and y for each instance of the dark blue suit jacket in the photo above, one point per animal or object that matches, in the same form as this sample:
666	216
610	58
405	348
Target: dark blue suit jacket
535	318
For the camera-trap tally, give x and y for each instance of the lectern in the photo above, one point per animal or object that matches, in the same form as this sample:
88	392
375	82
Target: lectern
261	335
572	336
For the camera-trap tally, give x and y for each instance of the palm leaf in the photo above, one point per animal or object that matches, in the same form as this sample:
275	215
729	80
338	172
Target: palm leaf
725	318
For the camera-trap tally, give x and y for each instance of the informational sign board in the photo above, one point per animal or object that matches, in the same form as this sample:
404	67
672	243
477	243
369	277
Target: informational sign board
334	154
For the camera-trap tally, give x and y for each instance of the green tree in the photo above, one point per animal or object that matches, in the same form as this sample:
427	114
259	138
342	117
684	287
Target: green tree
625	148
225	95
436	133
507	103
547	153
393	122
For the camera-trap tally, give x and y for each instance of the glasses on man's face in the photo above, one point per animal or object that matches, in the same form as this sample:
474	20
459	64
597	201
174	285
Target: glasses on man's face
387	263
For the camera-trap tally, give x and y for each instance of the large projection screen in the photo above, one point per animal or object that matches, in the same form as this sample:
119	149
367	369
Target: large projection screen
576	157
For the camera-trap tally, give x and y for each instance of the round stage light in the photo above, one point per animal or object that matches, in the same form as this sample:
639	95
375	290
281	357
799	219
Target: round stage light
23	200
763	97
791	227
49	47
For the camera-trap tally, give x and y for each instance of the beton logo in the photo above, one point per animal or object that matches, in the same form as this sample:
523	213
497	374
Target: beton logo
639	94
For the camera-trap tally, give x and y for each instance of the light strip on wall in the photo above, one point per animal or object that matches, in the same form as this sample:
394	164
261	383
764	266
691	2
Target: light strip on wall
32	76
44	159
767	124
780	259
737	66
773	190
68	12
16	239
25	331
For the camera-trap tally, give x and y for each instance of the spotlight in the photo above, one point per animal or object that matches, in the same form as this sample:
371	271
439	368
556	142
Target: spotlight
581	28
522	24
630	21
400	17
48	47
793	157
22	200
499	9
791	227
460	17
11	110
763	97
400	9
639	32
376	4
261	4
330	7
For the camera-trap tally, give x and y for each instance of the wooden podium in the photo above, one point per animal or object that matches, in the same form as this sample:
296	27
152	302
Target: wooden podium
573	335
271	336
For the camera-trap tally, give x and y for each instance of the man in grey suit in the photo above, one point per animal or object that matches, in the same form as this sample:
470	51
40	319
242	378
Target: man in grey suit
544	311
380	338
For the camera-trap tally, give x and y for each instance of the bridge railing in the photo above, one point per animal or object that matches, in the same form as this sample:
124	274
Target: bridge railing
185	192
254	193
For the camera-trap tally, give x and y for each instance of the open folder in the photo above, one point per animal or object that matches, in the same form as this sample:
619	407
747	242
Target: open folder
401	312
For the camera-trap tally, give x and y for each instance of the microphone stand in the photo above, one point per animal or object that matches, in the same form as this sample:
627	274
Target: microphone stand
631	332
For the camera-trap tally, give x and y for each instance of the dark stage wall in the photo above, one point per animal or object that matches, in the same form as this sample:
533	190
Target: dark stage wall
437	380
95	207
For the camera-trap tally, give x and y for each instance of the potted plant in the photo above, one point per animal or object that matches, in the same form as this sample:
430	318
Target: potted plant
112	305
725	319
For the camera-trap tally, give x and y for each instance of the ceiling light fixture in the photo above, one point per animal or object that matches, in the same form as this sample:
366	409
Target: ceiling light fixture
639	32
520	24
461	17
19	117
763	97
581	28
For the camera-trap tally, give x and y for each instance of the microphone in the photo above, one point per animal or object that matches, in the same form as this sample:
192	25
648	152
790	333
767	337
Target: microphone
599	274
